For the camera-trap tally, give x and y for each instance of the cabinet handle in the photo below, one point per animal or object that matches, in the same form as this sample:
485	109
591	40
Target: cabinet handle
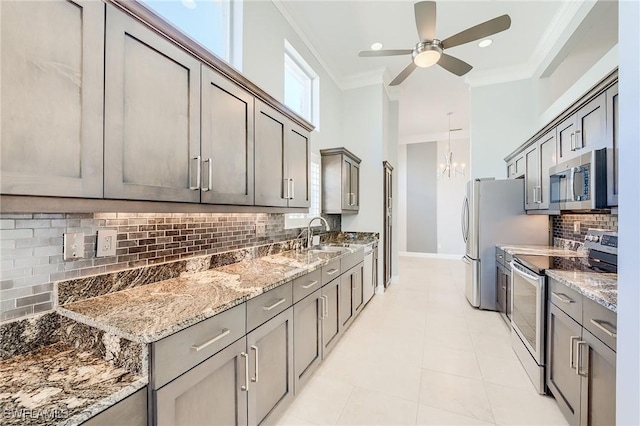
331	271
292	195
225	332
579	139
255	364
311	284
562	297
326	306
198	171
539	194
279	302
245	387
322	307
579	372
572	364
573	142
285	183
210	171
601	325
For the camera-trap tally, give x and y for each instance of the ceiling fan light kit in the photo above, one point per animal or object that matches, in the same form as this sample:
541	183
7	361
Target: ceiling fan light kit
430	51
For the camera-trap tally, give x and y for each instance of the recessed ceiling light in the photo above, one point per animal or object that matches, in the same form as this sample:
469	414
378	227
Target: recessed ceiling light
376	46
485	43
189	4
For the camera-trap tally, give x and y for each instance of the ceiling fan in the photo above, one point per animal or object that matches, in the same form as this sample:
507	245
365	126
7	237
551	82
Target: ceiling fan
430	51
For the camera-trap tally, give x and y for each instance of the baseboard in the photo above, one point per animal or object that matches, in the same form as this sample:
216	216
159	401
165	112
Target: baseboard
431	255
395	279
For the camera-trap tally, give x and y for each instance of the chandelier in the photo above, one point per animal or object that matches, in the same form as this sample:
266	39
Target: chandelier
449	168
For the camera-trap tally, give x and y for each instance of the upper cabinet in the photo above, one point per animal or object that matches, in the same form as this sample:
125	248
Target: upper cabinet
612	144
539	158
152	115
52	96
516	167
583	131
281	160
340	181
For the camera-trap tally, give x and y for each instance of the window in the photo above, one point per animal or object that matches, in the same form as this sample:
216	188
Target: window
300	220
301	86
214	24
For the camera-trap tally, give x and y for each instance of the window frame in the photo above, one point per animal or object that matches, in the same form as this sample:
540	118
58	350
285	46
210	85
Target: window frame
301	220
293	59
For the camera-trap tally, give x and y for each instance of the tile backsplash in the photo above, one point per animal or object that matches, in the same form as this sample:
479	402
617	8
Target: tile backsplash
32	258
563	225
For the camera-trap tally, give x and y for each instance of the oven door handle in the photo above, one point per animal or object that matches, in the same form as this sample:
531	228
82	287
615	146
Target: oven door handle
519	269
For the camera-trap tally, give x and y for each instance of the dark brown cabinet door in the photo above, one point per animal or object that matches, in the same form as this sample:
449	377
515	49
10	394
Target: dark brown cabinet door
591	125
51	127
347	311
562	378
226	142
566	138
152	115
307	337
532	177
547	151
612	145
298	163
270	173
331	325
598	370
358	288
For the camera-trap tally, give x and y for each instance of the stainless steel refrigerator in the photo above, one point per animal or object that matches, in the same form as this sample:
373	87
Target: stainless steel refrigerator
493	213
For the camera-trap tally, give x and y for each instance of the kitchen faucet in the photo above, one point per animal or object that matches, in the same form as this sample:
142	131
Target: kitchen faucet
309	232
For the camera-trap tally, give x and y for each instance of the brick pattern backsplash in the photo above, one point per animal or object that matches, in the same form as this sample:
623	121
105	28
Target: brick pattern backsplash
32	257
563	225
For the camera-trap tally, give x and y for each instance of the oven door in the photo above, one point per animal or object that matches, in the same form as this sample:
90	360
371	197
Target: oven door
527	316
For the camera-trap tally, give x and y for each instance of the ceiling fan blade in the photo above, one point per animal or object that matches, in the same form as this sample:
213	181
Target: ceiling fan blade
425	12
404	74
483	30
454	65
388	52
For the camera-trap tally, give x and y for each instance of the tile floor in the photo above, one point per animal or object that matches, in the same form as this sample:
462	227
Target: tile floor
420	355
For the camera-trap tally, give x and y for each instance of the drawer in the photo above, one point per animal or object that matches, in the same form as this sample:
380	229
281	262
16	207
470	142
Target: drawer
568	300
330	271
268	305
600	321
306	284
351	260
181	351
500	256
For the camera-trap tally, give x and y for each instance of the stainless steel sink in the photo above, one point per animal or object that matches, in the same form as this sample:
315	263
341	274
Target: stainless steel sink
325	248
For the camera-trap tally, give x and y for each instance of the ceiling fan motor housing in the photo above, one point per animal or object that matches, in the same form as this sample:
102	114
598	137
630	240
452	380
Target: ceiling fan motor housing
427	53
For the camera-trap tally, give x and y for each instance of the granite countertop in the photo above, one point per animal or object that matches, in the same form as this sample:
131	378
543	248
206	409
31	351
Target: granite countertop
541	250
599	287
61	385
151	312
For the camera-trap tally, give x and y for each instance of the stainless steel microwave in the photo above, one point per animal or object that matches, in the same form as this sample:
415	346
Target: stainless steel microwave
580	183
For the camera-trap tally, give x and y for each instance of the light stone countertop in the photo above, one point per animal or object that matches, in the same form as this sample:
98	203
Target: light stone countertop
599	287
541	250
60	385
151	312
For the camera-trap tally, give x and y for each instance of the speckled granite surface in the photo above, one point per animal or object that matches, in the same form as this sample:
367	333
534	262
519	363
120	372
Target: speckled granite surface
61	385
350	237
148	313
28	334
599	287
542	250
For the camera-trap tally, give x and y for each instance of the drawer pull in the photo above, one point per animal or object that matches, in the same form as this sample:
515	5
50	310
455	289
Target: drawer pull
562	297
311	284
225	332
325	307
279	302
601	325
255	364
331	271
572	364
245	387
579	371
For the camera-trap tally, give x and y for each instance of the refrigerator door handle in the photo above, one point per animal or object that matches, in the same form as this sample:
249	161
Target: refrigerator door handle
464	219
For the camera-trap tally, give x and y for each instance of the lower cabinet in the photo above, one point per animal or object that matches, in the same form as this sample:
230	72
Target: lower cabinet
331	324
307	337
581	370
131	411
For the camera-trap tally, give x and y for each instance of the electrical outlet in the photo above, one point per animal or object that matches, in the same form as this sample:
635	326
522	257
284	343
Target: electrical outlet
106	243
73	246
261	229
576	227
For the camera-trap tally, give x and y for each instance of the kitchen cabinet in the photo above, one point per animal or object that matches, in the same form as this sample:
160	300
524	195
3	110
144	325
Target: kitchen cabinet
213	392
282	156
226	141
351	290
308	315
369	274
612	145
131	411
583	131
516	167
331	324
52	95
340	181
538	159
581	358
152	115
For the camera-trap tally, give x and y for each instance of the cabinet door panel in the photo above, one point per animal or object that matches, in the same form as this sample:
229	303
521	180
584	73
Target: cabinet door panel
208	394
269	157
271	387
612	145
599	385
355	186
152	114
346	298
298	161
566	139
532	178
346	184
562	380
52	98
331	326
307	317
227	141
591	120
358	287
547	151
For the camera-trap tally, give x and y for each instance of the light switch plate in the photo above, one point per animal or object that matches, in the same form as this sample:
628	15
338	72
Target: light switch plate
576	227
73	246
106	243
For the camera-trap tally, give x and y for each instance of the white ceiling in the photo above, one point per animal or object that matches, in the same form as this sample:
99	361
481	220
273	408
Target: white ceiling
337	30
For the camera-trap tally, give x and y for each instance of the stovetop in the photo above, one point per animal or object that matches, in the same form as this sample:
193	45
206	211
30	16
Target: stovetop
540	263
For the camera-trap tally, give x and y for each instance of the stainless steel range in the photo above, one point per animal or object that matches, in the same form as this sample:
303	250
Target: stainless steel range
528	313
